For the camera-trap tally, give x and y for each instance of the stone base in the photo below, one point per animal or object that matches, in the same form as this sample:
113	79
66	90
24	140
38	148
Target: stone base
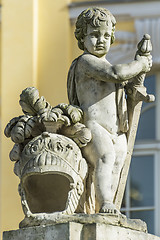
77	231
44	219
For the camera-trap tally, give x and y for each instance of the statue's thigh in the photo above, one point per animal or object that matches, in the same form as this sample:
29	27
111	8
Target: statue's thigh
101	145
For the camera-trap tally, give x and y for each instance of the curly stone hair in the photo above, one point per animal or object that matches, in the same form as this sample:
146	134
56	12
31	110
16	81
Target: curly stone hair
93	16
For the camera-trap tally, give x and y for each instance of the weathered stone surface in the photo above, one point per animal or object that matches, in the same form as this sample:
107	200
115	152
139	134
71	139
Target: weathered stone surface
54	232
77	231
47	155
101	218
100	89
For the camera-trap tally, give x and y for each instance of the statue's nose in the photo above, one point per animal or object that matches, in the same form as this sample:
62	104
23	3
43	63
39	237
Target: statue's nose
101	39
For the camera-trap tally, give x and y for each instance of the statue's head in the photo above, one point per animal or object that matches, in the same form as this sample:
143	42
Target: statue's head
94	17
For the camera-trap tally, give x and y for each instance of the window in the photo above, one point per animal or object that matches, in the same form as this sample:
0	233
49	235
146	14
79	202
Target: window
139	196
146	128
142	194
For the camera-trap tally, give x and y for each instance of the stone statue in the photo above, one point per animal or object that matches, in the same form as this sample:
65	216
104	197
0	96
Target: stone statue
74	158
47	156
100	90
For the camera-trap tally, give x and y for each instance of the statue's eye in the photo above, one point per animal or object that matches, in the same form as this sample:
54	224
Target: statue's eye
94	34
34	148
107	36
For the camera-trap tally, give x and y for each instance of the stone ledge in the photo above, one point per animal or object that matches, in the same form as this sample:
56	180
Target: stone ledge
77	231
44	219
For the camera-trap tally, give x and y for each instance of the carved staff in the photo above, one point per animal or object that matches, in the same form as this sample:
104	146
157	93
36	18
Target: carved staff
136	93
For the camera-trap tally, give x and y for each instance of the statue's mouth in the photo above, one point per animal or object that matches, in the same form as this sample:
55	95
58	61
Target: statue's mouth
46	192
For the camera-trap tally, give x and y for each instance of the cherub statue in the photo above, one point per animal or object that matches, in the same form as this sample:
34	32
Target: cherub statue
97	87
78	154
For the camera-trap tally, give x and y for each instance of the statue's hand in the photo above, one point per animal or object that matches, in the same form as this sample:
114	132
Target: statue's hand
146	62
143	53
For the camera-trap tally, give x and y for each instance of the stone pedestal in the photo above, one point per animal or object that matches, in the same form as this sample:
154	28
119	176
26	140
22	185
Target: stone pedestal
77	231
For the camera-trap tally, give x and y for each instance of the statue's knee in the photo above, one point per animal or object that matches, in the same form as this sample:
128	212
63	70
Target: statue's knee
108	158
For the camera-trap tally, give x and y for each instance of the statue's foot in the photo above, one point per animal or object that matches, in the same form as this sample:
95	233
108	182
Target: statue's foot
108	207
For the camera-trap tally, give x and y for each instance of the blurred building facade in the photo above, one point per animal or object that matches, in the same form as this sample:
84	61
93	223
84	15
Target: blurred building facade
37	46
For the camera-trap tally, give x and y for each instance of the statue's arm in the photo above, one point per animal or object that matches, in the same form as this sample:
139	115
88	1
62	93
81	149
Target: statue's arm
128	71
104	71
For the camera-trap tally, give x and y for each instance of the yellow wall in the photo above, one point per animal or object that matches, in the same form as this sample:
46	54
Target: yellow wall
83	1
127	26
37	47
35	52
17	73
53	49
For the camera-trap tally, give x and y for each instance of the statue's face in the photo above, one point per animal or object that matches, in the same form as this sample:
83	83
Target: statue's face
98	39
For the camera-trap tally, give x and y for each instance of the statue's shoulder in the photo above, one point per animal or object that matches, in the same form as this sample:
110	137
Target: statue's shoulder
74	64
79	61
87	57
84	62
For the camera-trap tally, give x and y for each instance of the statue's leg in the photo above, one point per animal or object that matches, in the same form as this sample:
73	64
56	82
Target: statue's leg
120	146
101	154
